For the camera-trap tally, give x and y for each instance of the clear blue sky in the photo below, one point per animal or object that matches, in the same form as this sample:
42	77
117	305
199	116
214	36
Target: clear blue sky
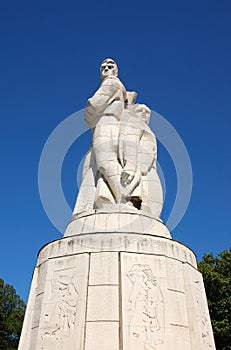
176	54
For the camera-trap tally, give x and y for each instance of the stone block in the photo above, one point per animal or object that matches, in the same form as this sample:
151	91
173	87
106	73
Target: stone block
102	335
112	222
104	268
201	333
175	276
176	309
143	300
89	224
103	303
100	222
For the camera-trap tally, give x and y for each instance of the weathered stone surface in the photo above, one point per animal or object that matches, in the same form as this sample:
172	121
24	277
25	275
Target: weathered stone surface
104	269
116	242
56	316
117	280
143	293
102	335
103	303
155	310
121	220
120	167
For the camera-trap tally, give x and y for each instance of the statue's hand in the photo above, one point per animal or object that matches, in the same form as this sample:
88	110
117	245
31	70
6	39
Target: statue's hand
127	176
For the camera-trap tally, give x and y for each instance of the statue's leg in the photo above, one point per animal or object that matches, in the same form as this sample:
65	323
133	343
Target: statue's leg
105	147
111	170
152	194
86	195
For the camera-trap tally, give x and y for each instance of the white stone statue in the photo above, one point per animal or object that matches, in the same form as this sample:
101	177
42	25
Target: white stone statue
138	154
120	167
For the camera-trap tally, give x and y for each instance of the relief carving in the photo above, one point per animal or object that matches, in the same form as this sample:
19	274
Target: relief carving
61	318
203	320
205	330
146	307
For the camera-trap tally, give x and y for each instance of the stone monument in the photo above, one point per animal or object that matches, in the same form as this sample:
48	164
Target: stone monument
117	280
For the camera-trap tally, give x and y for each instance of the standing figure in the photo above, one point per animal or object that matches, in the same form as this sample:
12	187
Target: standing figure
103	113
138	154
145	306
120	167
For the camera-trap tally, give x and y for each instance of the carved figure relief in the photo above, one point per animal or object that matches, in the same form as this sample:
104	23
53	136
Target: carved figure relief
146	306
60	321
205	330
203	320
120	167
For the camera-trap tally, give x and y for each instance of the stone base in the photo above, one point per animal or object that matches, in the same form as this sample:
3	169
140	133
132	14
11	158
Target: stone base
125	222
114	291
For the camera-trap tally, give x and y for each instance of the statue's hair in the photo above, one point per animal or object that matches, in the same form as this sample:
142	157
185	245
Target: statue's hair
109	59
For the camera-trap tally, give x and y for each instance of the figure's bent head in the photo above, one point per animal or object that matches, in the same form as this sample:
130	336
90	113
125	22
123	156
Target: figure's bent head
143	112
108	68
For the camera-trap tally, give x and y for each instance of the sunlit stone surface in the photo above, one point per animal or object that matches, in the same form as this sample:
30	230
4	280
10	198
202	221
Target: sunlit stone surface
117	280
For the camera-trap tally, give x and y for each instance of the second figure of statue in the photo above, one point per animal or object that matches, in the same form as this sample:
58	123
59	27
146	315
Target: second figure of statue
119	171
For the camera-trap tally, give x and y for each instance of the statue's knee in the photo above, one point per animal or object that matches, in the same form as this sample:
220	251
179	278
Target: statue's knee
108	168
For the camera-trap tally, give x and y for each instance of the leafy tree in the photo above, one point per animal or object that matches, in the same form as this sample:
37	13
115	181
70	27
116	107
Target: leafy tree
12	309
216	273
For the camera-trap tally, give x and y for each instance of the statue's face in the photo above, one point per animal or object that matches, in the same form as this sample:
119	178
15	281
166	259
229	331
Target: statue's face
143	112
107	68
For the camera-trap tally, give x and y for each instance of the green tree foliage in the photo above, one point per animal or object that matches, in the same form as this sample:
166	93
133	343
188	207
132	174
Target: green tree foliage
12	309
216	273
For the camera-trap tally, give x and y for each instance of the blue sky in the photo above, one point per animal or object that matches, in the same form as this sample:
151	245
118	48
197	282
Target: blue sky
175	54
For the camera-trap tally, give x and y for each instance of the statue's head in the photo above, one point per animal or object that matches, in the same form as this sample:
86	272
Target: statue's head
108	68
143	112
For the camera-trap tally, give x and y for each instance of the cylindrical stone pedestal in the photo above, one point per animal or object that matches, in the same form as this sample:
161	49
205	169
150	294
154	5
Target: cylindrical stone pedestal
111	290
